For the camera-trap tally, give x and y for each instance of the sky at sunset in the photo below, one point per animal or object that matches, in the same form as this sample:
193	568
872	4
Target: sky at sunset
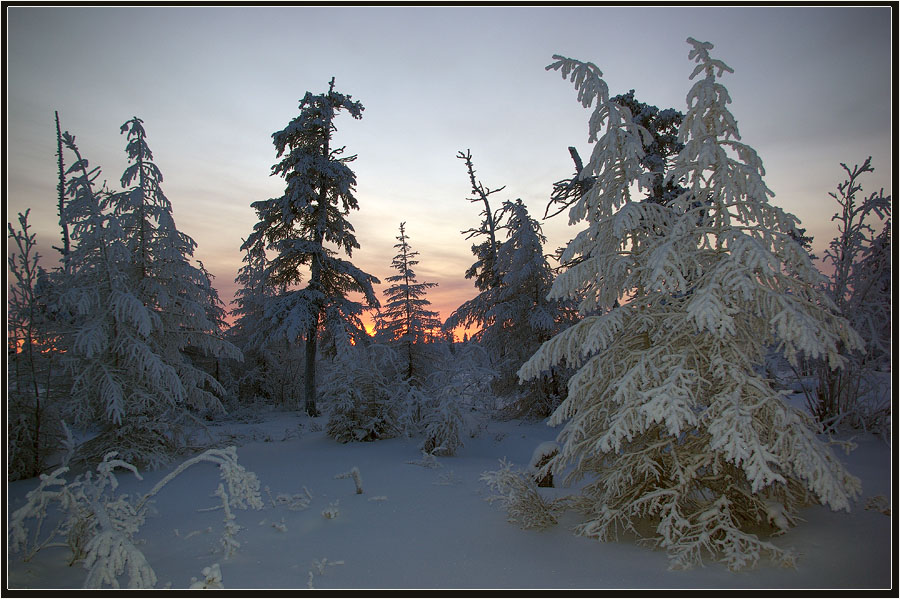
811	89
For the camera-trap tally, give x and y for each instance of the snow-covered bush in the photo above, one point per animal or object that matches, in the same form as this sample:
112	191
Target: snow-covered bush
32	433
457	395
32	420
518	494
212	578
358	391
859	262
682	441
411	402
445	424
98	525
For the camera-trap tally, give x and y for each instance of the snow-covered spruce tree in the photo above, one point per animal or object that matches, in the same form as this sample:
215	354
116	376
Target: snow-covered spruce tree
859	261
511	310
141	310
683	443
297	226
269	371
405	319
521	315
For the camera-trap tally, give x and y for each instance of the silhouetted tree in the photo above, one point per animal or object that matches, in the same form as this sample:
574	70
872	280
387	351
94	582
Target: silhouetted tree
296	227
859	262
31	430
405	318
474	312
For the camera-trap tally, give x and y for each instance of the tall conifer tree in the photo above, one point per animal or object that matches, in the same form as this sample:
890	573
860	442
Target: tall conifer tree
299	226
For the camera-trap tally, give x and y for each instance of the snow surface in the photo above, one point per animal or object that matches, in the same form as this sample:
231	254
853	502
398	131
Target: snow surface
427	528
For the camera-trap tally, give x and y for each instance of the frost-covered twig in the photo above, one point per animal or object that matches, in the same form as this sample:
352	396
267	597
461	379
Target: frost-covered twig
354	474
229	542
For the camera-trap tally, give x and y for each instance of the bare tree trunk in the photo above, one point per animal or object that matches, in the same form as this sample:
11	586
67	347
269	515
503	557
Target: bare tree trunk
309	391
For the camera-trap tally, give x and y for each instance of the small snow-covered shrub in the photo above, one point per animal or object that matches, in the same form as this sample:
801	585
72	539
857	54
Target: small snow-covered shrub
411	403
457	393
31	435
517	492
332	511
99	525
358	389
143	441
445	425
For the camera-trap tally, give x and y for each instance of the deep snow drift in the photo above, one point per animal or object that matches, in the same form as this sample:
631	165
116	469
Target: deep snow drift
425	525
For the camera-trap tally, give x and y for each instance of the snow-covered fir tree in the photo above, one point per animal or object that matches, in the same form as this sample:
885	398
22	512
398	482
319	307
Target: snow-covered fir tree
521	315
251	297
298	229
681	440
267	367
142	314
405	319
511	311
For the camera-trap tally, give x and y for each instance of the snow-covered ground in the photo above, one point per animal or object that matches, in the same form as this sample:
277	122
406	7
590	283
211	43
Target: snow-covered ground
430	527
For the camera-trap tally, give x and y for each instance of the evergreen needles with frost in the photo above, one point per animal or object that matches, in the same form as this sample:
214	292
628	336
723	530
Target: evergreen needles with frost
141	314
680	439
522	316
300	228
